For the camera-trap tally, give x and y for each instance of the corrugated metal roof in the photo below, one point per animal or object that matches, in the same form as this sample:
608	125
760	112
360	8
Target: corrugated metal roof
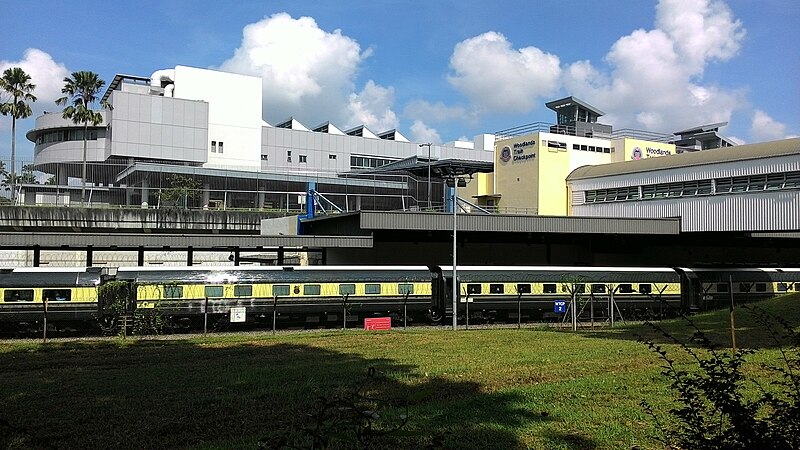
413	221
196	241
704	157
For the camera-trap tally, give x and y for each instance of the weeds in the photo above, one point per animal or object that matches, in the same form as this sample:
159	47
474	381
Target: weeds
713	409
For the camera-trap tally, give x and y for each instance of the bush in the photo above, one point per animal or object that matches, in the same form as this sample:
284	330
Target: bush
713	411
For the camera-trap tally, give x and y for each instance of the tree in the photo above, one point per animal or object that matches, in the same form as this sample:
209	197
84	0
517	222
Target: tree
81	91
16	84
181	189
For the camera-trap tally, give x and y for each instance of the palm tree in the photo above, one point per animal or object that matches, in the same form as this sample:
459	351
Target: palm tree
16	84
81	90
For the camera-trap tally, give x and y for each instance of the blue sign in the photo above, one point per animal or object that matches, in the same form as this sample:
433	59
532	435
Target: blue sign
560	306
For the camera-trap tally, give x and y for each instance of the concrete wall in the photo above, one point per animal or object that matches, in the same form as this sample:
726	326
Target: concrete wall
152	127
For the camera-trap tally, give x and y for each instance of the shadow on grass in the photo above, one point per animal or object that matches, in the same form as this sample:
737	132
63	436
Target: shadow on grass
178	394
716	325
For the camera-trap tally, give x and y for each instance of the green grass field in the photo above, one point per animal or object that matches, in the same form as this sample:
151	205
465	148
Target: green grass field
476	389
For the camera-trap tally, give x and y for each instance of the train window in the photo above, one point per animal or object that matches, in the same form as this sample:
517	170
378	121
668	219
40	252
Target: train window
761	287
311	289
57	295
580	288
473	289
745	287
347	289
280	290
625	288
722	287
598	288
523	288
405	288
214	291
171	291
496	289
18	295
372	288
243	290
645	288
549	288
783	287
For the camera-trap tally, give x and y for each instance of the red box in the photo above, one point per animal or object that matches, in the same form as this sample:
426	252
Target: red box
378	323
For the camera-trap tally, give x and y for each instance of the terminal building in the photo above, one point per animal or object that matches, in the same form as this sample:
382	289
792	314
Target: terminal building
208	125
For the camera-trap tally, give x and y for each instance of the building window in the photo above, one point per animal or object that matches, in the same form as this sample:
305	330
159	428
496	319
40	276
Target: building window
265	157
288	156
220	147
331	156
213	146
303	158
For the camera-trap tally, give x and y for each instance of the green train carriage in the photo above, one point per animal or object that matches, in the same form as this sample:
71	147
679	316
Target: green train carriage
503	292
67	295
302	293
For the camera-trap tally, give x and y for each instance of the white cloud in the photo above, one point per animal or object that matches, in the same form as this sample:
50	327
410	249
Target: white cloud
701	30
765	128
655	80
423	133
498	78
46	74
373	107
736	140
307	72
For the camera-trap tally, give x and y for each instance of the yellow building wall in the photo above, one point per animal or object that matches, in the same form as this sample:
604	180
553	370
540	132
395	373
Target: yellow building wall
634	149
554	167
516	168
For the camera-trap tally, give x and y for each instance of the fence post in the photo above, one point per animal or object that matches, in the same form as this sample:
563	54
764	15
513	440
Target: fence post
344	311
274	312
205	316
44	313
405	311
519	310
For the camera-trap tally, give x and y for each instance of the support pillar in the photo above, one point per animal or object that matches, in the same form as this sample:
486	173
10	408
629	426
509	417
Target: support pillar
145	193
189	256
89	256
37	255
140	256
206	195
281	255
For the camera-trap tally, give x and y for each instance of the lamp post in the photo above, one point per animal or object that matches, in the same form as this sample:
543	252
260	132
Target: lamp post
455	183
455	271
429	172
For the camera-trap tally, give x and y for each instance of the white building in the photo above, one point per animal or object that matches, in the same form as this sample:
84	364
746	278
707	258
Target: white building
207	124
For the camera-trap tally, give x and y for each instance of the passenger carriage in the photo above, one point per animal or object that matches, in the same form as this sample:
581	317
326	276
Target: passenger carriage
505	292
68	296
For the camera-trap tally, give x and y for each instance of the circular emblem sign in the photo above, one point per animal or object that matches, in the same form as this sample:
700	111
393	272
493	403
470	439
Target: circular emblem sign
637	153
505	154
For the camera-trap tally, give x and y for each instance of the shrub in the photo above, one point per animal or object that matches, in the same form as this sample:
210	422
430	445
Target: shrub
712	409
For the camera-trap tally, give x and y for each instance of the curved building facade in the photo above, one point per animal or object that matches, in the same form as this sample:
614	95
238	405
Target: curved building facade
58	142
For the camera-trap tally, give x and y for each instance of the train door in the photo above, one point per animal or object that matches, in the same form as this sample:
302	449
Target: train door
691	291
439	296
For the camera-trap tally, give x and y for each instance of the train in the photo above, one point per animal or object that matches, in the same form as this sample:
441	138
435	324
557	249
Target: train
194	296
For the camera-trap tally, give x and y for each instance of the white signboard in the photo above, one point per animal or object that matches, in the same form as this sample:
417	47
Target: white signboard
238	314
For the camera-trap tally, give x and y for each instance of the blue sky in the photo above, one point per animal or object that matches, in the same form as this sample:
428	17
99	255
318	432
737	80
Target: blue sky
441	70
